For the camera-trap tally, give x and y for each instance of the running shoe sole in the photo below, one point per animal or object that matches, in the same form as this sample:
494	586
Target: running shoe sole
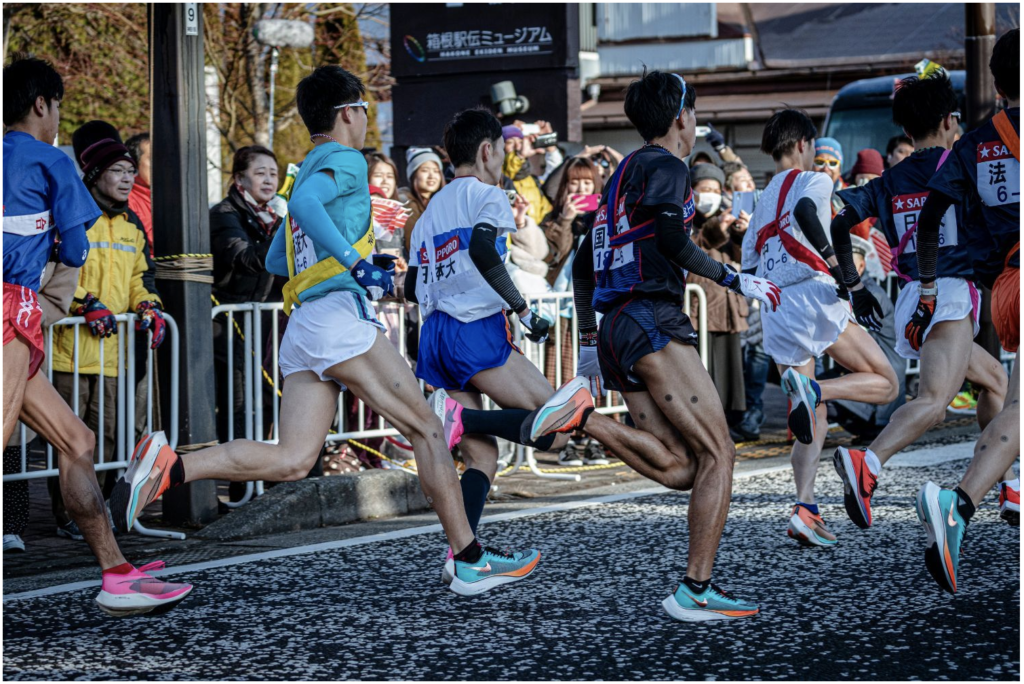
565	410
480	586
801	418
437	405
851	492
799	531
936	555
448	572
124	499
1010	514
676	611
127	605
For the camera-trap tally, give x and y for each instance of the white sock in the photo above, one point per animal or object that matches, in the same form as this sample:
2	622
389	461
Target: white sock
1013	484
874	465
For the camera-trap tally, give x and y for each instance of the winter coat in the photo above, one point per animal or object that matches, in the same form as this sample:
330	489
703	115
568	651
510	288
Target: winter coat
527	186
239	245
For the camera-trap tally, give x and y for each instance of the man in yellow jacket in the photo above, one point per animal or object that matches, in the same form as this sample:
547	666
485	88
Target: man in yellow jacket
117	278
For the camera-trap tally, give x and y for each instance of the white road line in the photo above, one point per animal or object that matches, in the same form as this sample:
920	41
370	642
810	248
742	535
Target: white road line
922	457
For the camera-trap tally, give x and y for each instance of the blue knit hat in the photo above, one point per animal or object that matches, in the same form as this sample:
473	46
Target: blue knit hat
829	146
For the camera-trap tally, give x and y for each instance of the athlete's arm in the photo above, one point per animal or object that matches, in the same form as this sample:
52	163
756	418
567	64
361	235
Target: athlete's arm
928	223
277	255
307	209
411	277
806	214
484	255
840	229
74	246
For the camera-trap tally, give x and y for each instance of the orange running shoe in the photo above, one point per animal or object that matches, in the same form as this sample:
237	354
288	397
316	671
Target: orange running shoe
858	484
566	410
809	529
147	478
1009	504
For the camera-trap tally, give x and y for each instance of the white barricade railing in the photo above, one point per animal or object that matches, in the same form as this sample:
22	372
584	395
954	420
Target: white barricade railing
246	328
125	406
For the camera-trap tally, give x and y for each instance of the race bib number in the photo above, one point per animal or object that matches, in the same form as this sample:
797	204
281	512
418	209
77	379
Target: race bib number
906	209
773	254
998	175
305	255
607	257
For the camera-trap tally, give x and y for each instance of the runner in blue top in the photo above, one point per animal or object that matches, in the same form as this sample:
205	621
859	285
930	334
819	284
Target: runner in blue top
333	340
983	170
44	197
631	267
926	110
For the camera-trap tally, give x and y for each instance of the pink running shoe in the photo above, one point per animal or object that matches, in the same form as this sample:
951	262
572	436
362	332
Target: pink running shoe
448	572
137	593
450	413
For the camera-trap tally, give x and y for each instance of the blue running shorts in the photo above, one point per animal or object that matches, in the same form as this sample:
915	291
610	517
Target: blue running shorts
452	352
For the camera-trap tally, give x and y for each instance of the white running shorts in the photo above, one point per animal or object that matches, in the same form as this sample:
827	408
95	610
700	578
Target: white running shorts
957	299
324	332
809	320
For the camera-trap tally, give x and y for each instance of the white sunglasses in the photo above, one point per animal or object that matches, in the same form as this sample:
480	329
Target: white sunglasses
361	103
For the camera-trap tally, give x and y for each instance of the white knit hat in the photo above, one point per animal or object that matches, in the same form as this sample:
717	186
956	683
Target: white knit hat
415	157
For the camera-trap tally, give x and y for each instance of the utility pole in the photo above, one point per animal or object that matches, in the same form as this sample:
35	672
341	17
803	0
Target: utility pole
181	222
980	38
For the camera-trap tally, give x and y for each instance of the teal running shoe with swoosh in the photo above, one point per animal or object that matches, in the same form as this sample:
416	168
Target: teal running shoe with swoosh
711	604
492	569
936	508
804	396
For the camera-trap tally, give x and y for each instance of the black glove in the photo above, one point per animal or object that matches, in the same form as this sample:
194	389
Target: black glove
837	275
715	139
866	309
537	325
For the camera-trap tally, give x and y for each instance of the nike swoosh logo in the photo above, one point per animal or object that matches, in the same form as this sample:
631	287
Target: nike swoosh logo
952	522
449	416
702	604
154	474
486	568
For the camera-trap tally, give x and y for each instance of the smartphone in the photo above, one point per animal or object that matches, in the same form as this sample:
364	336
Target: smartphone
742	201
511	197
588	203
531	129
702	131
546	140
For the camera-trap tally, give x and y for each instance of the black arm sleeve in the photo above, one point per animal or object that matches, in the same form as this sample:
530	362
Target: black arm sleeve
928	222
411	278
484	256
806	214
675	244
840	229
583	284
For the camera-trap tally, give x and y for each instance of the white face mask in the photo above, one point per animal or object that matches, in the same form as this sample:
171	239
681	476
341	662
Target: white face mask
708	202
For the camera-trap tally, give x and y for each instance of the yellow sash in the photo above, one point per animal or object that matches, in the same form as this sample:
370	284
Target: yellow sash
318	272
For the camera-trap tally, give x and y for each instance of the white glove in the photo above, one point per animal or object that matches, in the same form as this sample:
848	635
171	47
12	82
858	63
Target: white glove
761	289
589	367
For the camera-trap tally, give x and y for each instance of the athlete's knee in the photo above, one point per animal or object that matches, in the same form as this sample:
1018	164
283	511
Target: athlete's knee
425	427
894	384
721	455
297	463
679	477
81	443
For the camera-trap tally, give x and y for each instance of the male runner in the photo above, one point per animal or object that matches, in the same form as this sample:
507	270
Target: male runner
630	267
47	211
333	340
787	226
926	110
983	170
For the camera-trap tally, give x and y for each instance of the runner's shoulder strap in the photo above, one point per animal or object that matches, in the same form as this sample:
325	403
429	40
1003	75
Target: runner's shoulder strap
1007	133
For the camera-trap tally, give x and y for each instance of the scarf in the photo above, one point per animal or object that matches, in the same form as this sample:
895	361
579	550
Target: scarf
264	213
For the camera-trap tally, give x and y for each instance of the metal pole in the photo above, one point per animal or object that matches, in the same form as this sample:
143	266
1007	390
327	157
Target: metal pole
980	38
274	52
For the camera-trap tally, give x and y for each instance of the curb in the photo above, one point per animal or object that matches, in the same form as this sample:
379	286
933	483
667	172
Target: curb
321	502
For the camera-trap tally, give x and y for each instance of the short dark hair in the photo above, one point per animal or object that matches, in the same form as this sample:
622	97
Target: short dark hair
466	130
26	79
1004	65
134	144
784	130
245	155
319	93
652	102
895	141
920	104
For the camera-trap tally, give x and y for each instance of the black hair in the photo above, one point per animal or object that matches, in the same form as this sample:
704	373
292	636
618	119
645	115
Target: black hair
466	130
134	144
26	79
1004	65
319	93
245	155
652	102
895	141
920	104
784	130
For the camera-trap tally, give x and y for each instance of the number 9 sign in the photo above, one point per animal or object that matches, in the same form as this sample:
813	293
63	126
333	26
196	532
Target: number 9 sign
191	19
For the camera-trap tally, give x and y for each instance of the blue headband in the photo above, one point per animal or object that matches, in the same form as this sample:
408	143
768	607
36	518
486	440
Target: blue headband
682	98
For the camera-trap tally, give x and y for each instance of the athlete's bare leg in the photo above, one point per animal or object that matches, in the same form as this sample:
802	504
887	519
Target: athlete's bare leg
16	360
987	374
520	384
998	447
44	411
805	457
871	378
945	358
685	394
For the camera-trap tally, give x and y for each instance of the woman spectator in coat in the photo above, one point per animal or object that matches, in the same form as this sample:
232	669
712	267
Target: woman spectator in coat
424	170
242	226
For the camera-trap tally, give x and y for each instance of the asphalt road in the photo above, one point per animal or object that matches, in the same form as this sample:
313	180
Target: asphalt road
375	609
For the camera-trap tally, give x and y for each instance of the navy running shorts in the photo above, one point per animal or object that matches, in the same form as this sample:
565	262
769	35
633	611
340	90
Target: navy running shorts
452	352
633	330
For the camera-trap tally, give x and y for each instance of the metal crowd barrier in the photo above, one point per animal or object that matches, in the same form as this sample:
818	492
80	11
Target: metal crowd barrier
246	327
125	408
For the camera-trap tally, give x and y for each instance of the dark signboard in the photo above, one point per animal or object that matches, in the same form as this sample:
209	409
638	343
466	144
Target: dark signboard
434	39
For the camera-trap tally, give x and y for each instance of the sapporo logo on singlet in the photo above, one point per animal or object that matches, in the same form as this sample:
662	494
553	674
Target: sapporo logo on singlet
905	210
998	174
445	256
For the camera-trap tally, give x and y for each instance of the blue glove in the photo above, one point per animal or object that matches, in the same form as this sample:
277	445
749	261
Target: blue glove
378	282
715	139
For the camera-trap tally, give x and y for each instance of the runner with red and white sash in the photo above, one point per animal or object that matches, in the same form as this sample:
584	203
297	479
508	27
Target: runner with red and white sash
785	243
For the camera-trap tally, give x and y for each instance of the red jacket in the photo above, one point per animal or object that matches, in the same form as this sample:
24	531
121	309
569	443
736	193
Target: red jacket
141	203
